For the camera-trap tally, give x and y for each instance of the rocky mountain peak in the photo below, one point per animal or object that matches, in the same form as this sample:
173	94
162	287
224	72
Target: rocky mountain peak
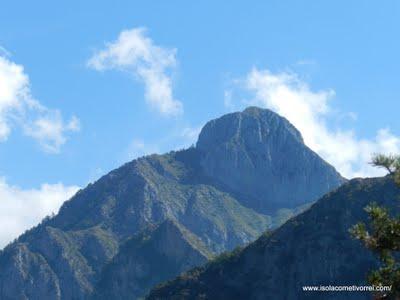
261	155
251	127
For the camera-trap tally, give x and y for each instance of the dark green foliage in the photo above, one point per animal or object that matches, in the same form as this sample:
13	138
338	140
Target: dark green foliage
382	234
389	162
226	256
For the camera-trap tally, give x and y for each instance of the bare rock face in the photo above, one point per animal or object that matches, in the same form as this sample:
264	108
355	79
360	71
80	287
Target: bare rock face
260	156
26	275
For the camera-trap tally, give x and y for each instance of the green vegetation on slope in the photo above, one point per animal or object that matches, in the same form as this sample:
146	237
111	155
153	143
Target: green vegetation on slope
313	248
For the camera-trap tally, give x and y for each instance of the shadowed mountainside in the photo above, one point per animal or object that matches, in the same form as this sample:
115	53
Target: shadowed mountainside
313	248
150	258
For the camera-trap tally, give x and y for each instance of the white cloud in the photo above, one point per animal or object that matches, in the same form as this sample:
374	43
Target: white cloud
22	209
309	111
49	130
136	53
19	108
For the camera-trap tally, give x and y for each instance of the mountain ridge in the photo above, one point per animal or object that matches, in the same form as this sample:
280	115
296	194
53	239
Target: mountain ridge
72	248
312	249
151	257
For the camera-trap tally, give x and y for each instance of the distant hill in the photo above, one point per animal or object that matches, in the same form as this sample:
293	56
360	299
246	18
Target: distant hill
313	248
250	171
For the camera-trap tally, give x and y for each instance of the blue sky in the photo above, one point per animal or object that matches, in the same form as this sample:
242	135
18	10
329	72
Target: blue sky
330	68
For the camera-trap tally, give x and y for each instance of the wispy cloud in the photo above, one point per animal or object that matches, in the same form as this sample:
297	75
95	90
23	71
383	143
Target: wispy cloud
309	111
49	130
18	108
21	209
136	53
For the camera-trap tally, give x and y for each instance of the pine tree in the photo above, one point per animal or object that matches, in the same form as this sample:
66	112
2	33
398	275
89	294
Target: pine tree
382	235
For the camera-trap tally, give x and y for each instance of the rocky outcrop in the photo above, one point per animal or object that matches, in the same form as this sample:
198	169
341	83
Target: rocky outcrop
261	157
26	275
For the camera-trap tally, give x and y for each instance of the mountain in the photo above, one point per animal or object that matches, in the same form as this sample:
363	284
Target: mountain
72	248
152	257
313	248
259	155
249	171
